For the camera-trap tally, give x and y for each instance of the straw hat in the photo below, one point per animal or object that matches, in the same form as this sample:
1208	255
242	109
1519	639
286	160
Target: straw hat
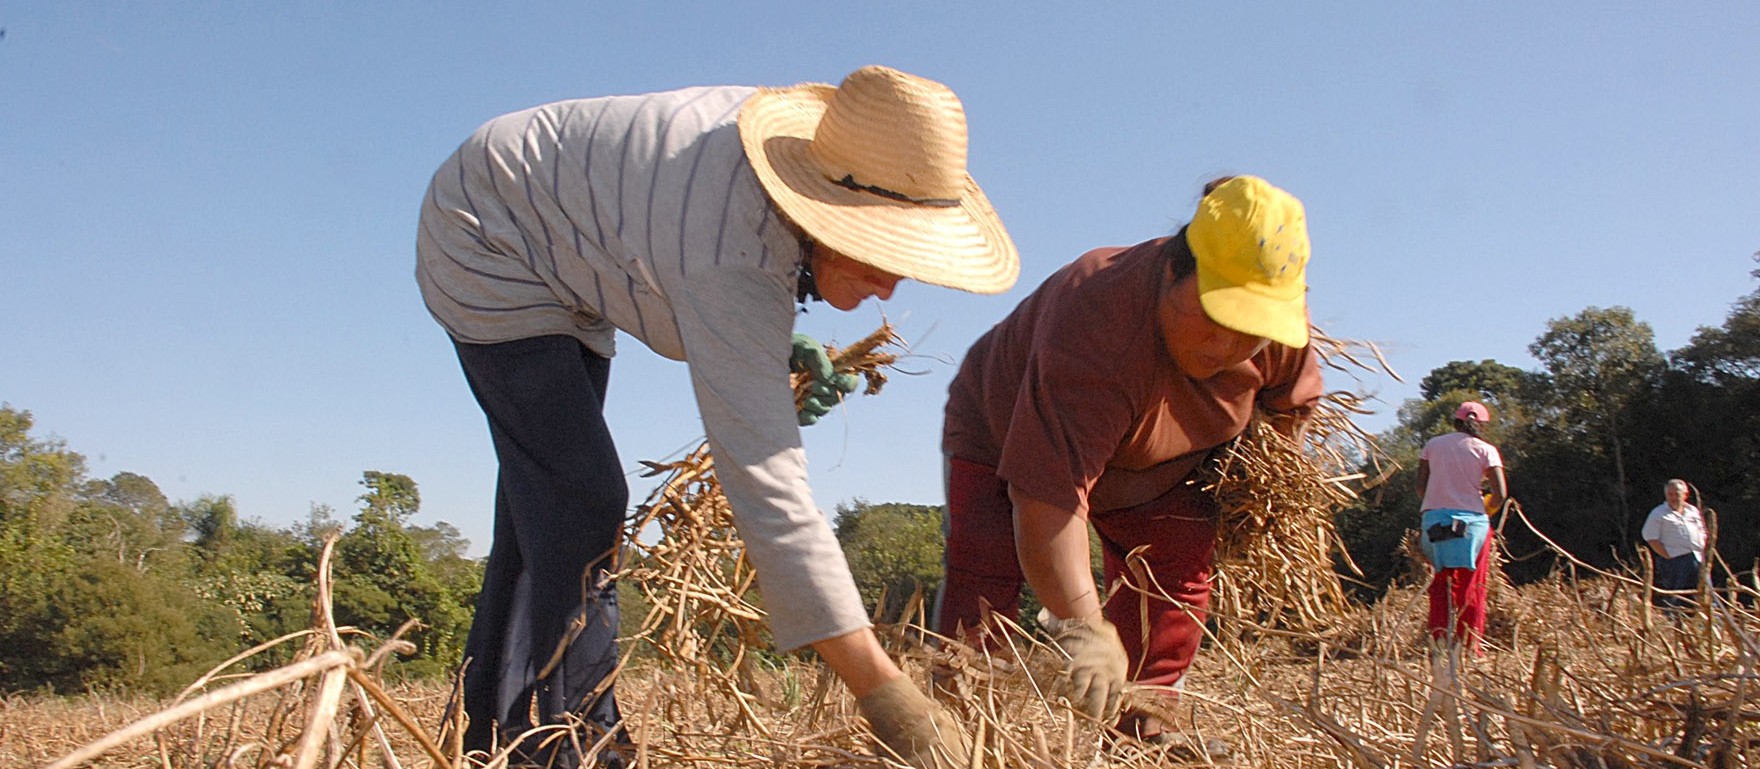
875	169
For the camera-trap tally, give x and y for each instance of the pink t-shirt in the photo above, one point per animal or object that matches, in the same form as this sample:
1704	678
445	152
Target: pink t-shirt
1458	462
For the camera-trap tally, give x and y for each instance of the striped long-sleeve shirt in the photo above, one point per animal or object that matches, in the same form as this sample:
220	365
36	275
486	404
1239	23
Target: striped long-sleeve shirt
641	213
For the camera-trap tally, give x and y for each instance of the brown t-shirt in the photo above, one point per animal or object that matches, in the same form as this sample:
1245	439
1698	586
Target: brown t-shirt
1075	399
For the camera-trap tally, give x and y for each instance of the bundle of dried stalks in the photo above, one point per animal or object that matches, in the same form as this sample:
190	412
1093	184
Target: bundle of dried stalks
1276	542
695	575
696	580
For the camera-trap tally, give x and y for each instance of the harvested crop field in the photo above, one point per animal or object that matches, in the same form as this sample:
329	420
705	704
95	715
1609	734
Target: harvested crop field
1578	671
1577	674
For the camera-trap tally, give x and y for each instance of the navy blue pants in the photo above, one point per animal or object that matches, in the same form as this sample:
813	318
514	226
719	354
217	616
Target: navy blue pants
560	501
1678	573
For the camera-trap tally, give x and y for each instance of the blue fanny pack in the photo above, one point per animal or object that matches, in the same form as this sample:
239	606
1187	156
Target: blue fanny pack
1452	539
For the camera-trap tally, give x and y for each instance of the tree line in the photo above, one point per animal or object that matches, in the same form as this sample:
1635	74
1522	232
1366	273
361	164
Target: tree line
106	583
1589	439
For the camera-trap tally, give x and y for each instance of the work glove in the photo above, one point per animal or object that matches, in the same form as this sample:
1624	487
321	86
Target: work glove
1094	676
828	387
914	727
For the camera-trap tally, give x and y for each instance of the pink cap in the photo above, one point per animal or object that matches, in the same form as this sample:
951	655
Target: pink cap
1473	410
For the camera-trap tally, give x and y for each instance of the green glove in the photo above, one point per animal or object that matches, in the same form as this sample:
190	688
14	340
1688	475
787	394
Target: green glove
828	387
809	356
820	398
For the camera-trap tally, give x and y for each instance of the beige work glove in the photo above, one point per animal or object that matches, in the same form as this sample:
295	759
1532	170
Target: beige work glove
1094	676
914	727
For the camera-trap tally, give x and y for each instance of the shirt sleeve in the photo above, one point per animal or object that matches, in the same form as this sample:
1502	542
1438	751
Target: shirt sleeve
1493	457
1652	527
1072	412
736	328
1293	382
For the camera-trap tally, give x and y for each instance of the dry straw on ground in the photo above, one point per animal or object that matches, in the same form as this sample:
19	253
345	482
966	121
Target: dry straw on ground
1579	671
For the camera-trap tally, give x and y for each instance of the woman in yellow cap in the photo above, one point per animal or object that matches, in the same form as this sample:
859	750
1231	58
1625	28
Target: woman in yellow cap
693	221
1093	402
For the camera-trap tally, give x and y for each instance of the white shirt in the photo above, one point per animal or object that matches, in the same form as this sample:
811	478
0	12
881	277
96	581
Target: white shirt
642	214
1680	533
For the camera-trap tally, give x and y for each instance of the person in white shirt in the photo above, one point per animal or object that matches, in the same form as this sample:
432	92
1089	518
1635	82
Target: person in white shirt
693	221
1675	533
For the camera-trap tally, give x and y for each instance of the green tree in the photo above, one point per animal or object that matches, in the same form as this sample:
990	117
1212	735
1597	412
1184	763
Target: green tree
262	574
1488	380
320	524
87	594
105	582
214	520
392	496
36	476
439	542
1509	392
893	550
1607	420
128	518
383	577
1729	353
1374	526
1599	361
1702	424
138	495
115	626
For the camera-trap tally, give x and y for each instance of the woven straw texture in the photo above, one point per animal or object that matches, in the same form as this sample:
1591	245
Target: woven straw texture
890	131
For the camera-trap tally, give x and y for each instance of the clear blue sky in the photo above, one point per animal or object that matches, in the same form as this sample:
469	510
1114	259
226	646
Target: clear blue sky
207	210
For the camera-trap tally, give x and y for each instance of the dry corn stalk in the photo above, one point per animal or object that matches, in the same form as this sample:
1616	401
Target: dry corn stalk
695	575
328	704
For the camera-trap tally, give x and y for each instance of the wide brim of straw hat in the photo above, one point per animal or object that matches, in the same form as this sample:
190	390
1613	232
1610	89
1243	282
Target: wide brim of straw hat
963	246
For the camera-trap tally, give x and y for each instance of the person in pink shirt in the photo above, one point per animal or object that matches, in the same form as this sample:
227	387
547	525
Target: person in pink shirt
1454	471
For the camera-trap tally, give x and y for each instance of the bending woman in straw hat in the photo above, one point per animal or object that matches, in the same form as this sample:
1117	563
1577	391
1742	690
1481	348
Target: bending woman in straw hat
1454	469
694	221
1093	402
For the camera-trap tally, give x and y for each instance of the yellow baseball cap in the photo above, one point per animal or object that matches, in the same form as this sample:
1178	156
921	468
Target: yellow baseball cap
1250	240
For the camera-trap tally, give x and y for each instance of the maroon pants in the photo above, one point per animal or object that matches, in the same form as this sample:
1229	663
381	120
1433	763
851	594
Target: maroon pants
1460	593
1177	532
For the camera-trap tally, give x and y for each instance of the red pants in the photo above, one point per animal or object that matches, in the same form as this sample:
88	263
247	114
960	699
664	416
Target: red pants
1178	530
1461	593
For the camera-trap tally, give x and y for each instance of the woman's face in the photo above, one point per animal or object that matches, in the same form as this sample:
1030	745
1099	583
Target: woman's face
1201	347
845	282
